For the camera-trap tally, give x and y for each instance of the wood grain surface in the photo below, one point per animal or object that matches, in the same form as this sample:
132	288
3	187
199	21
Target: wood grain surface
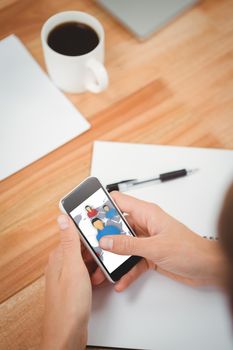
175	88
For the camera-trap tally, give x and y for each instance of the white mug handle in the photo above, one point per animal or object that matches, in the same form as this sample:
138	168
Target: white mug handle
98	80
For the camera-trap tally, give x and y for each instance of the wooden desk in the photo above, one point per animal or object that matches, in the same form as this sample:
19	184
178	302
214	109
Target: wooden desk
175	88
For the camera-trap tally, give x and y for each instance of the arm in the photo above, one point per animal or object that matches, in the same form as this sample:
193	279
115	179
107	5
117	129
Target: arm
166	245
67	294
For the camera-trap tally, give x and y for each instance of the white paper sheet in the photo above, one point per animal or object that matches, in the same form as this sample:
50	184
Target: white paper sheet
156	312
35	117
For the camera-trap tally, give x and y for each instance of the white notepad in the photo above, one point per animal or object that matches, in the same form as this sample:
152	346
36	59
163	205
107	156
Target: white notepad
35	117
156	312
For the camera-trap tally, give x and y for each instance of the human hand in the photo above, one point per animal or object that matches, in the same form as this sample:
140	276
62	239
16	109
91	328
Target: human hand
68	293
166	245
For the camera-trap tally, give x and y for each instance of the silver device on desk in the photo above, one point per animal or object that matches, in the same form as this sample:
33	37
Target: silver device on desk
144	17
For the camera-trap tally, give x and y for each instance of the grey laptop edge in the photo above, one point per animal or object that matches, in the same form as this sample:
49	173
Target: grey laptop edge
145	17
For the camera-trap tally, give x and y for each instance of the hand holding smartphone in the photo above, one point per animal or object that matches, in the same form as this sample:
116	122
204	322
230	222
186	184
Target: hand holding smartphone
96	215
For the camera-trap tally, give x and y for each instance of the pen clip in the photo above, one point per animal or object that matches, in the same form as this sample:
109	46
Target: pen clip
125	181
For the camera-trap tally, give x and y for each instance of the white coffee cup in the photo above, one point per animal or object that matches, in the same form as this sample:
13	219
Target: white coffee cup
76	73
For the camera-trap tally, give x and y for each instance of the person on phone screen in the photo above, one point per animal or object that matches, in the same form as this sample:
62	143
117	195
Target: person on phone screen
166	245
91	212
110	213
104	230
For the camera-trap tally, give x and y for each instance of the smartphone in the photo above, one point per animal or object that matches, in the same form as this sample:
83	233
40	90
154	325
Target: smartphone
95	214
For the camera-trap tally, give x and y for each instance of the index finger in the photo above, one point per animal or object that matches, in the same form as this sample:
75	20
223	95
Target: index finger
140	211
133	274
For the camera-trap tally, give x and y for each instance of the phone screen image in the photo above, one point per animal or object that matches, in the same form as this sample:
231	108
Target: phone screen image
96	217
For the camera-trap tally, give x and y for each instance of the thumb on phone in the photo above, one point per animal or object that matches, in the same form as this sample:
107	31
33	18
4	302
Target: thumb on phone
70	242
127	245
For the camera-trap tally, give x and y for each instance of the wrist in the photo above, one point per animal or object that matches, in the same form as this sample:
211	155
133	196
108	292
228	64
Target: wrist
215	265
74	340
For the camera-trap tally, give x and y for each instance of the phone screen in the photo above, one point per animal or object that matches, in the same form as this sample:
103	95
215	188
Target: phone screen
97	217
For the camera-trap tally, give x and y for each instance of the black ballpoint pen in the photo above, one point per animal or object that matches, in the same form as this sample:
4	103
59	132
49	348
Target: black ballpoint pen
127	184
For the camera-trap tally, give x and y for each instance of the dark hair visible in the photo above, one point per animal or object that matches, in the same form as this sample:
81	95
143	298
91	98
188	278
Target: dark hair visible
87	206
105	205
95	219
226	238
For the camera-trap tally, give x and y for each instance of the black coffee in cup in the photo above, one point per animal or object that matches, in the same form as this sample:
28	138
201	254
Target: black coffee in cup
73	39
